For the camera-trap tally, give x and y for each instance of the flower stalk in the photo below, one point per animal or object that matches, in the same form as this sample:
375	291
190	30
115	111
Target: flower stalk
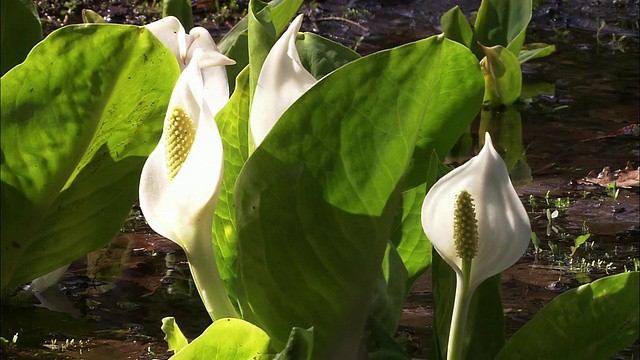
477	224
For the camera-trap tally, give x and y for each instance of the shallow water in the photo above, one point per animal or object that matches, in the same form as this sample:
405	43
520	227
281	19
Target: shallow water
119	294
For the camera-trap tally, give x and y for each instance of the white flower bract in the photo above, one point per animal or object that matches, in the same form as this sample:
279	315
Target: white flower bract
503	224
282	81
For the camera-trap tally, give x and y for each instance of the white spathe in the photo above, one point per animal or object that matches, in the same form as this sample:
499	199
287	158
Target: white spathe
171	33
181	179
282	81
504	230
176	207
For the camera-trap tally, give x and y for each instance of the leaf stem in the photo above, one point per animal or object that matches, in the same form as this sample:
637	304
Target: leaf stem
460	311
206	276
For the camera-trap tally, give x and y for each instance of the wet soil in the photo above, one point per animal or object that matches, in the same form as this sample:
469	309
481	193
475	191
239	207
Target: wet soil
117	296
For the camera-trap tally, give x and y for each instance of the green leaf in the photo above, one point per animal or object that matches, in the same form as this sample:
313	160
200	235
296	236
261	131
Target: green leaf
320	55
173	335
503	76
502	22
485	320
299	346
227	339
233	123
391	292
180	9
456	27
92	17
448	113
79	117
535	51
312	234
262	36
282	12
20	30
593	321
408	237
386	348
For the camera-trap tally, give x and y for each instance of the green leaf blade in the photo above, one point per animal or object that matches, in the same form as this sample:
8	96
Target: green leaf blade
336	162
79	116
593	321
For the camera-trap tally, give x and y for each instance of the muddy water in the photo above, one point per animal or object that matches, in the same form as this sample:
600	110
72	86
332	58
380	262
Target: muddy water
116	297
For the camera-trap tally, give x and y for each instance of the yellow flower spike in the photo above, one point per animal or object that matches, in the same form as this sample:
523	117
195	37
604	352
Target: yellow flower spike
503	228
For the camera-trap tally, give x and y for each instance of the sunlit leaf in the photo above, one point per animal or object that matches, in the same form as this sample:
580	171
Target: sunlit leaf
227	339
535	51
317	265
233	124
79	117
173	335
593	321
456	27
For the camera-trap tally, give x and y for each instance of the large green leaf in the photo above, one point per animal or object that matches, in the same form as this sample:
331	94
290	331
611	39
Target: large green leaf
448	112
233	123
408	237
313	232
593	321
456	27
79	117
20	30
391	291
503	22
320	56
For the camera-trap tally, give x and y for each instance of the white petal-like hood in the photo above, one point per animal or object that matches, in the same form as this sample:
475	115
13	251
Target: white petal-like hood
503	224
282	81
182	206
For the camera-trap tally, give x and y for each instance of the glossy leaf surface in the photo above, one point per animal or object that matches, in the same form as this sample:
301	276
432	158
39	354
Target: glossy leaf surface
593	321
338	157
79	117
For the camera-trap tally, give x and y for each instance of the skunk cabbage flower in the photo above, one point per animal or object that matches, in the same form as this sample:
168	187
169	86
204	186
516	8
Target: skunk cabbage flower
282	81
476	222
170	32
502	221
181	179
